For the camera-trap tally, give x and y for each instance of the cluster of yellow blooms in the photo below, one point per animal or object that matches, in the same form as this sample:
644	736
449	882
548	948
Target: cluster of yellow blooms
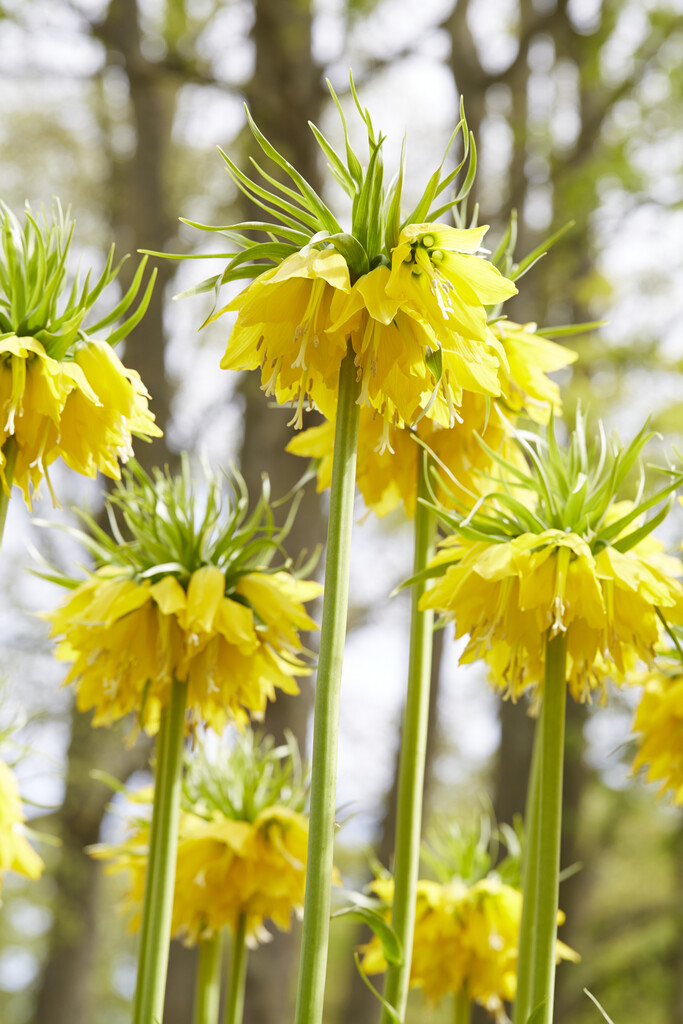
129	639
658	724
63	390
508	596
386	472
296	320
84	409
190	596
225	868
16	853
466	939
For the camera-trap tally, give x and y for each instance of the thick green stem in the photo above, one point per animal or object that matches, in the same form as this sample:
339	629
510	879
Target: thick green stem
207	996
157	908
549	825
238	974
10	452
527	933
412	762
315	937
461	1007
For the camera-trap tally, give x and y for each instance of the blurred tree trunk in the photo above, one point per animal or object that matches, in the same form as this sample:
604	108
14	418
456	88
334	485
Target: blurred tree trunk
140	220
65	995
283	95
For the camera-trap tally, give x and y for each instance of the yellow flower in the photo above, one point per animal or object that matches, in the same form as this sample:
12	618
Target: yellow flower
294	321
509	595
242	842
555	551
435	270
386	469
16	854
410	300
529	357
283	326
224	868
85	410
466	936
186	590
659	722
63	391
128	640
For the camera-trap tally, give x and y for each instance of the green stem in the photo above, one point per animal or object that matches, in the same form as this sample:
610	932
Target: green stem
157	908
549	824
10	452
315	937
461	1007
207	996
527	932
238	974
412	762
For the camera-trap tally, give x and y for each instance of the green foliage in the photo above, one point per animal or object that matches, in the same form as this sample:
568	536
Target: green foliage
472	852
570	488
35	299
297	216
174	525
246	778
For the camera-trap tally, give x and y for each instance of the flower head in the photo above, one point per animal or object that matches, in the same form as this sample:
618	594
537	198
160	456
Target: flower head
16	854
466	923
63	391
570	559
436	270
242	843
658	721
386	471
410	296
189	593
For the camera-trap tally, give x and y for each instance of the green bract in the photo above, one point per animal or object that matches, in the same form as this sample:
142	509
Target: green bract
299	217
472	853
243	780
33	276
174	525
570	488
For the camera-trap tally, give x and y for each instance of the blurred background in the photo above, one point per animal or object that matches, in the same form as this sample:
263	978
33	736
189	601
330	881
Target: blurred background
117	108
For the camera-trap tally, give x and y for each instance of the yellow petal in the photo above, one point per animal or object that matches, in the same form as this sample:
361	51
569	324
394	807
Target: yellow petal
205	592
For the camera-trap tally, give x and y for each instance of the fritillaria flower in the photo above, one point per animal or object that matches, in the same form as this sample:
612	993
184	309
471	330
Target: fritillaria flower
63	390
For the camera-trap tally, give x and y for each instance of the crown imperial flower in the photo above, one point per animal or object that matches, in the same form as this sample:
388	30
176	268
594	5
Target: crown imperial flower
242	843
466	924
570	559
658	721
63	390
409	295
189	595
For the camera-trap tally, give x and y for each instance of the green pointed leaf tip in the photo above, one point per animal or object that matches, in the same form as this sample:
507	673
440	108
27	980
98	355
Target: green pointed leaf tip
167	524
41	298
571	487
470	852
246	778
296	212
602	1011
391	944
